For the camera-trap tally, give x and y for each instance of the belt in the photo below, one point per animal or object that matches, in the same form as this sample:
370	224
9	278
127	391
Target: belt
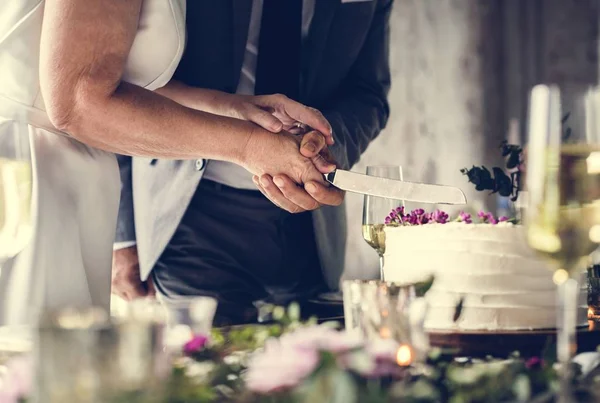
27	114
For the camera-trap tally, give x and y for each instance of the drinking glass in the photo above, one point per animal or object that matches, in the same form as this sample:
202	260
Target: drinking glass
375	210
85	356
15	191
386	310
188	318
563	180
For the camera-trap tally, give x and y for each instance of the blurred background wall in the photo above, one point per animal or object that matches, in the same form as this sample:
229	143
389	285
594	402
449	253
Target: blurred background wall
462	71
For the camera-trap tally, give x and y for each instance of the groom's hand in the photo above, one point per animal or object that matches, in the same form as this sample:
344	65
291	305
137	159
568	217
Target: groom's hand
288	195
126	279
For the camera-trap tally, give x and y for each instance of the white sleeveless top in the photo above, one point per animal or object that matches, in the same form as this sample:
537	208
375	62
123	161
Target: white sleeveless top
76	188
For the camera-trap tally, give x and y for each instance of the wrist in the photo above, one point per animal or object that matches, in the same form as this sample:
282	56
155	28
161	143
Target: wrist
251	149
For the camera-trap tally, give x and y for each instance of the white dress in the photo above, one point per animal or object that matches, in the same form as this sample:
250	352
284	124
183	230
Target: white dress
76	188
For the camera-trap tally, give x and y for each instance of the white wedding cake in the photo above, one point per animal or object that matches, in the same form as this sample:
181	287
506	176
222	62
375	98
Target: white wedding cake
503	285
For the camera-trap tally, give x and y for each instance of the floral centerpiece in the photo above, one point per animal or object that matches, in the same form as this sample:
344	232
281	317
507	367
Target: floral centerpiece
291	361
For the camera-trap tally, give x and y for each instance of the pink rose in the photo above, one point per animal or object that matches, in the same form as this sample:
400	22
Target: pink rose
18	381
280	367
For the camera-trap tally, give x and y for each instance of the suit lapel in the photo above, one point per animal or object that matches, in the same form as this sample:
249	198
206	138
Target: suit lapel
312	53
242	10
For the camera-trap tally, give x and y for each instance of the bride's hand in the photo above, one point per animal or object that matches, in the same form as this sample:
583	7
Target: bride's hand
274	113
278	113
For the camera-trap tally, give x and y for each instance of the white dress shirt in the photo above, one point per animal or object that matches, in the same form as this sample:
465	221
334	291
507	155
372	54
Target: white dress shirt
228	173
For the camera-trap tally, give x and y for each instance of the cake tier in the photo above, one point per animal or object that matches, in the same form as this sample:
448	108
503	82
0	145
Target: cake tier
503	284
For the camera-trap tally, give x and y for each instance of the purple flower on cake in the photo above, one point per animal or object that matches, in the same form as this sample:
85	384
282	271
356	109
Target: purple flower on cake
399	216
487	217
440	217
196	344
465	217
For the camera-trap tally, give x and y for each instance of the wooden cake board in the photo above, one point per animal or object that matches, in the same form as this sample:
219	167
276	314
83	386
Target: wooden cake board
502	343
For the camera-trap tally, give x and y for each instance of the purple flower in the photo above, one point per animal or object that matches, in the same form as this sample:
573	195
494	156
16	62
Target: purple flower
487	218
465	217
419	211
396	216
491	219
196	344
440	217
503	219
534	362
377	359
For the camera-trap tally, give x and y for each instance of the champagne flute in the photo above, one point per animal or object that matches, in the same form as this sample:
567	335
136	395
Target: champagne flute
563	180
16	224
375	210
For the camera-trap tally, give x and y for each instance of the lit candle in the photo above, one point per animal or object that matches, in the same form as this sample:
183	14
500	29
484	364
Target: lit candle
404	355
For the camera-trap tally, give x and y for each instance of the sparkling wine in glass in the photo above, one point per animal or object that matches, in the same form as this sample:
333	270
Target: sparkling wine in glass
375	210
563	181
16	223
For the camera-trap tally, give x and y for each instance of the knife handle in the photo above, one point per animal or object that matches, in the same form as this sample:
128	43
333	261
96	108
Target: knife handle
330	177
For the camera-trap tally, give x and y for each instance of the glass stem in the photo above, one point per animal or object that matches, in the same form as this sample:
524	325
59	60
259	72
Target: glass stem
381	274
567	325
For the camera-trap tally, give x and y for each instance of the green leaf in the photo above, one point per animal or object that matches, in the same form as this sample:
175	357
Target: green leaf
422	287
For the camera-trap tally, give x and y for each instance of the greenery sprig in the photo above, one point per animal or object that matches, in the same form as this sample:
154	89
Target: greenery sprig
497	180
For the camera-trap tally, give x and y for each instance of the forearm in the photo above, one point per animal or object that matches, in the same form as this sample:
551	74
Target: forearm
85	45
211	101
138	122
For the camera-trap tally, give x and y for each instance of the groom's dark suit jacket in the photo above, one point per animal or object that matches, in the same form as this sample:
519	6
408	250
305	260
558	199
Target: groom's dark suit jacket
345	74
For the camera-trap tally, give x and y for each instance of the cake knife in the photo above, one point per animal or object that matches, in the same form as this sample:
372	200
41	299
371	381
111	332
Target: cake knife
395	189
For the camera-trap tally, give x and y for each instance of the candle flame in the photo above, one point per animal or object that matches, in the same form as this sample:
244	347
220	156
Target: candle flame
404	355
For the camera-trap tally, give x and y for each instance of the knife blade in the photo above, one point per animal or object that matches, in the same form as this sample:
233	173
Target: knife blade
395	189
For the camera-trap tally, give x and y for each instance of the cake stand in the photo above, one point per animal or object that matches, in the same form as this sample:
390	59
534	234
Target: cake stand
502	343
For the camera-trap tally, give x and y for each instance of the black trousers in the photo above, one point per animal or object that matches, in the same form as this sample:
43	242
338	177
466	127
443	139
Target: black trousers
238	247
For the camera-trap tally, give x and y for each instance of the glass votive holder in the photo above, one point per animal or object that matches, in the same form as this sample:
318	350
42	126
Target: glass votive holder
84	356
593	292
187	318
67	341
387	310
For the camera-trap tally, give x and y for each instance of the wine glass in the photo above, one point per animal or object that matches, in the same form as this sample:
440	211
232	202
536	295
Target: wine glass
16	223
563	181
375	210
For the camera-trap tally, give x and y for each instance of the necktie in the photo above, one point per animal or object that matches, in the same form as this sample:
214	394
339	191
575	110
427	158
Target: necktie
279	48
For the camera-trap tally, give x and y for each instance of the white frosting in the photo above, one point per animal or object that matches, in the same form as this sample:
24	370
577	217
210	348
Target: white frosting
504	284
